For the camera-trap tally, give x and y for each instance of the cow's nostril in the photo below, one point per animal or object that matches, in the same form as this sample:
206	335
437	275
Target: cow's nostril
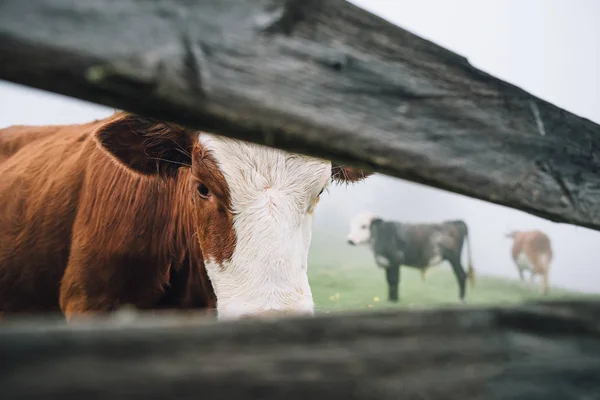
350	242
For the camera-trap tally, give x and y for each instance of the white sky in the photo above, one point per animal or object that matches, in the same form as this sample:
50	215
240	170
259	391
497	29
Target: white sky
550	48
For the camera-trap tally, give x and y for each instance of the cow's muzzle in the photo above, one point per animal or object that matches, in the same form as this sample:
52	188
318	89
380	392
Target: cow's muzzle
275	314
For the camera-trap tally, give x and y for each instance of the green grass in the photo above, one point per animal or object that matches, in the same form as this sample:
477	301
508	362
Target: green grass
346	278
359	288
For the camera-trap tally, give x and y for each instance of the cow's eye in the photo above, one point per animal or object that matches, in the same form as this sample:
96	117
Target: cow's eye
203	191
364	227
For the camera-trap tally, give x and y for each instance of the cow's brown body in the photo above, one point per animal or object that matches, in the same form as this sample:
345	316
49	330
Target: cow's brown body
532	251
65	205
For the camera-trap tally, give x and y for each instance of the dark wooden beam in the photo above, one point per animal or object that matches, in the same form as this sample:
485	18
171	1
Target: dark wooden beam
530	352
321	77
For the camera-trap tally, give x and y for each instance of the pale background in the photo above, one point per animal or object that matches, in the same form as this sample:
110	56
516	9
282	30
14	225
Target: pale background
550	48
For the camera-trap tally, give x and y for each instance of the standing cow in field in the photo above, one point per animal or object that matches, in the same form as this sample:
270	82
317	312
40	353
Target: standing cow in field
413	245
131	210
532	252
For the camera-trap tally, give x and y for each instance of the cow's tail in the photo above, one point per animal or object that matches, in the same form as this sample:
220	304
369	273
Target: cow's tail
470	269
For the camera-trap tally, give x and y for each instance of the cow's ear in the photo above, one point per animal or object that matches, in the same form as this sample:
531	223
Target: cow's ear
375	222
146	145
341	174
375	227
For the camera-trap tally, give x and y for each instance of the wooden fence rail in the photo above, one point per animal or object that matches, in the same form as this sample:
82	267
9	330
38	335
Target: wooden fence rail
321	77
537	351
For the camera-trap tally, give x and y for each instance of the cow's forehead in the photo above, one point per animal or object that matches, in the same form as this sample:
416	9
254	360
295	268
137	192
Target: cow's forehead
274	166
363	217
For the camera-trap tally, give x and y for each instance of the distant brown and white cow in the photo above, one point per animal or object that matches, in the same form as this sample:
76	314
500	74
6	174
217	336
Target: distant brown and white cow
532	251
130	210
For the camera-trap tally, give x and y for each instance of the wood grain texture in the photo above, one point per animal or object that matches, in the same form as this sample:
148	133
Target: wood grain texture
531	352
320	77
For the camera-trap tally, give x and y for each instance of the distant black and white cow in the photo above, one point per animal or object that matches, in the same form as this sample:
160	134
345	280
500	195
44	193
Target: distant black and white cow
413	245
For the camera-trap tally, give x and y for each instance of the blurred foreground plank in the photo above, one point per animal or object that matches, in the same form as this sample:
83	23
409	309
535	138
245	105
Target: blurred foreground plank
536	351
321	77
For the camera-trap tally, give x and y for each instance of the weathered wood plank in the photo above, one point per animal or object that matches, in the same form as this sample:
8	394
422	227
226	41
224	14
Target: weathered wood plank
530	352
320	77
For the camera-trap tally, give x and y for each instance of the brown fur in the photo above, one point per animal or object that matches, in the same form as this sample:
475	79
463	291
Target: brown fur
537	246
100	215
341	173
79	226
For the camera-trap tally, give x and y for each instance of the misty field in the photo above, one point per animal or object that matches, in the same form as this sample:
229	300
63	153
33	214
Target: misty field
356	288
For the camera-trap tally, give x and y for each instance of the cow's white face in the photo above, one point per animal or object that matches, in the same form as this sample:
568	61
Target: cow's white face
272	196
360	228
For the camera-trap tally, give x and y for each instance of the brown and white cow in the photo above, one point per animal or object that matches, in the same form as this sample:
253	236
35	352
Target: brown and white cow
131	210
532	251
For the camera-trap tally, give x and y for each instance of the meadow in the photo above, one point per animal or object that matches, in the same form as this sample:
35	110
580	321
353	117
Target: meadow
351	288
347	279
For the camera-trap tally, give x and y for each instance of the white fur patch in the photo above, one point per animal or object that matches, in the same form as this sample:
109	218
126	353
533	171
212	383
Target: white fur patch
382	261
272	192
360	228
545	260
524	262
435	260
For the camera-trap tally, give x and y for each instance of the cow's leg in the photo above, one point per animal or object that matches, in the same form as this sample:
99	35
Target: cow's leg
393	279
97	283
79	298
461	275
423	273
545	282
532	275
521	274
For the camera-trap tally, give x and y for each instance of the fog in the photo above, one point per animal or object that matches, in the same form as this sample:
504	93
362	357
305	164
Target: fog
550	48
